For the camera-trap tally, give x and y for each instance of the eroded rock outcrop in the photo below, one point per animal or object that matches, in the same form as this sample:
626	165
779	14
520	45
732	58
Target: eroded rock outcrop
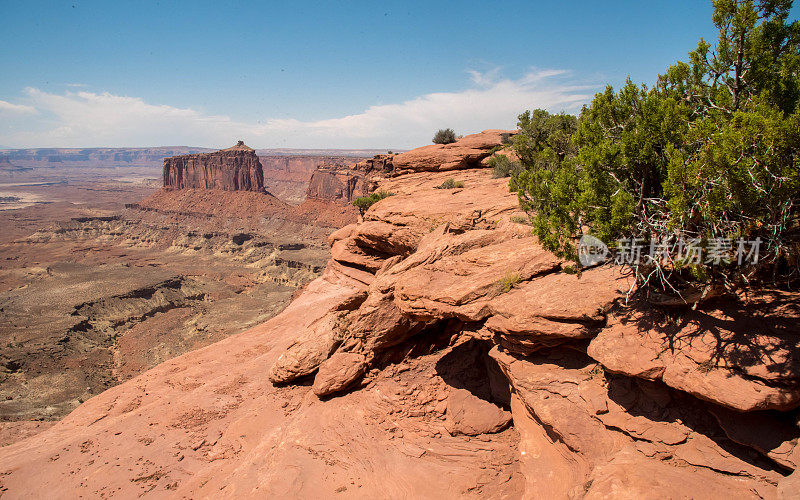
466	152
740	355
335	182
597	387
472	416
234	169
344	183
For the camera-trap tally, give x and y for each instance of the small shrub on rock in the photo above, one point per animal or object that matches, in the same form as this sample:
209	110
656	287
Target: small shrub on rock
503	167
444	136
364	202
509	281
521	219
450	184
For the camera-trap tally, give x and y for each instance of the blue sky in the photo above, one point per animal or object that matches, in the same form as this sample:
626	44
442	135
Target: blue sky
317	74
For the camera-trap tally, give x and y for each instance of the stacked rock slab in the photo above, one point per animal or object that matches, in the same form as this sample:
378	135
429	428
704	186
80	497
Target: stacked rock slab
234	169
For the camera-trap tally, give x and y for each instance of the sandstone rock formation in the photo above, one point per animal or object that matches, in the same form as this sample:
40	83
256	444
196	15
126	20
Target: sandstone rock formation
740	356
466	152
345	183
596	388
472	416
287	176
234	169
338	372
249	205
438	318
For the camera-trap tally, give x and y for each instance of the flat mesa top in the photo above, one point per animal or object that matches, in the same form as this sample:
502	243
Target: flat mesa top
240	146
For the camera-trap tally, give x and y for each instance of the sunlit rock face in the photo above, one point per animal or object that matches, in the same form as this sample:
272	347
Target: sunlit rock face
233	169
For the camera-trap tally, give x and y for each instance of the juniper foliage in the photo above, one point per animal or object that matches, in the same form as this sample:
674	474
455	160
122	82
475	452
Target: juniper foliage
444	136
712	150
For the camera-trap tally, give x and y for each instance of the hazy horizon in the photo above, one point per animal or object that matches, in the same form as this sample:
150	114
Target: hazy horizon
324	76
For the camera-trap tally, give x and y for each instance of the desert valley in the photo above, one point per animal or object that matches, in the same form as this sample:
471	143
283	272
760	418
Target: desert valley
94	293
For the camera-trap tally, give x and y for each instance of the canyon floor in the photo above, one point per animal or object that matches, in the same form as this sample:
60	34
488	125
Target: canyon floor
93	293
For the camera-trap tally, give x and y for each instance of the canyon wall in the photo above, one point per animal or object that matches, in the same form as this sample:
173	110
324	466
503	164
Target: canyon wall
233	169
344	183
286	172
90	301
299	168
287	176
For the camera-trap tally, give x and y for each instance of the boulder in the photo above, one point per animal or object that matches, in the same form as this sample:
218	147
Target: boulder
470	415
379	323
311	347
339	372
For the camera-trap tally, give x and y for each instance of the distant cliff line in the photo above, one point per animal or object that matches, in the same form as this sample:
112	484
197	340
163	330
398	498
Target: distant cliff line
157	153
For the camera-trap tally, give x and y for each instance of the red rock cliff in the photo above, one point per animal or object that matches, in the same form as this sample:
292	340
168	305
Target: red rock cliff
345	183
233	169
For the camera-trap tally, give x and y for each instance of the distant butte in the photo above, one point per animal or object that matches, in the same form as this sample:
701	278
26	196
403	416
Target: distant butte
233	169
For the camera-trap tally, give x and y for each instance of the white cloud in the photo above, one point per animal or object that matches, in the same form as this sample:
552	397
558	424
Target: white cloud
82	119
7	107
484	79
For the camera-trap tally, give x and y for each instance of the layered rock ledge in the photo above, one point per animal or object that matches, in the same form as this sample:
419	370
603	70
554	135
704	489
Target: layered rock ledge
334	182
